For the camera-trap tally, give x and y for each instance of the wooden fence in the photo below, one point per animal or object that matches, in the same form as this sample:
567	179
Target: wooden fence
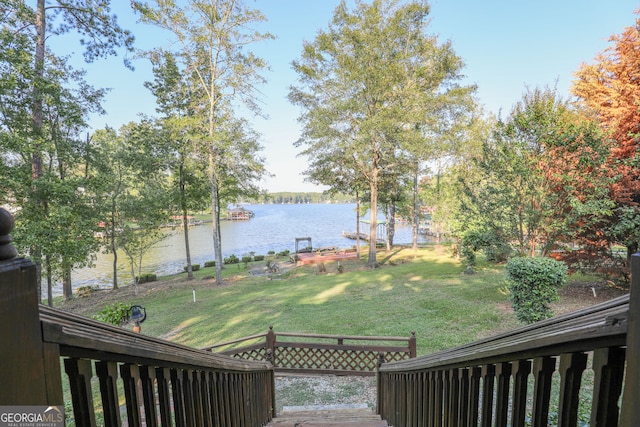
162	383
555	372
312	354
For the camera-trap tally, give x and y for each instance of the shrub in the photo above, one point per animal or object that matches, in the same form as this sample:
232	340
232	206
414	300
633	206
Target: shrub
145	278
194	267
495	248
271	253
232	259
258	258
246	259
533	284
208	264
115	314
284	253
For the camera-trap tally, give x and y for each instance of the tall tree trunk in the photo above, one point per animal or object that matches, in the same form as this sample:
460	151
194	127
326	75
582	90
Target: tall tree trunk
67	289
358	226
391	224
49	284
416	214
114	247
36	118
185	223
373	235
215	213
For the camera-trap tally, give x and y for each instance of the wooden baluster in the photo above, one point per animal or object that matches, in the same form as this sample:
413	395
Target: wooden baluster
148	378
225	393
454	399
130	376
571	368
177	391
503	378
79	372
446	398
439	398
163	376
474	396
107	373
189	400
421	385
411	400
205	392
543	369
463	405
488	373
521	370
608	367
216	400
425	401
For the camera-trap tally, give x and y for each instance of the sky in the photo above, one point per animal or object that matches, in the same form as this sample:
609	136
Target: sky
507	46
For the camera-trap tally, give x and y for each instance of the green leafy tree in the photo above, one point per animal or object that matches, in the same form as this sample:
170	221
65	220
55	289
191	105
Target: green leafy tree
23	37
367	84
541	176
213	36
180	126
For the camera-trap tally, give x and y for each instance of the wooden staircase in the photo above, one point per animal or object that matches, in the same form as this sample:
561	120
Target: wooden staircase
328	416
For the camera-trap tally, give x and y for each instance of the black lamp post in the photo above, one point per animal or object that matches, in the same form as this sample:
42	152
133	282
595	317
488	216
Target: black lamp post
136	314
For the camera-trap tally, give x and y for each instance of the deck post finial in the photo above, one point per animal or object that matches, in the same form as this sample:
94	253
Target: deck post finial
7	251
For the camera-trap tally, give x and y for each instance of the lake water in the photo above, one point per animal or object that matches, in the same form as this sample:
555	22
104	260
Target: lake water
274	227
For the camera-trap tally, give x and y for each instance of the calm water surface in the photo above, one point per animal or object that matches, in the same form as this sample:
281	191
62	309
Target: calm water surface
274	227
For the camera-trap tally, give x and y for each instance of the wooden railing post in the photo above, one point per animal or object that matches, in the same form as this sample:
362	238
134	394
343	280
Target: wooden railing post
630	413
412	345
270	343
29	377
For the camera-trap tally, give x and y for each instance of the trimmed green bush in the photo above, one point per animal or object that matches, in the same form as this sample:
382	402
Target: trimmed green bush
115	314
284	253
148	277
194	267
208	264
246	259
258	258
232	259
533	284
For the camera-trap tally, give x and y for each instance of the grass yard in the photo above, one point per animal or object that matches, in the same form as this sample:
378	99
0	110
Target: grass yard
428	294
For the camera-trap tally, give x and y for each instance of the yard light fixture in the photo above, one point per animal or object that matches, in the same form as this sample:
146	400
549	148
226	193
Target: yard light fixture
136	314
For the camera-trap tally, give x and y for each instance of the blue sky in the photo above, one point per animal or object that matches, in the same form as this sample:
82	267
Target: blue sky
507	45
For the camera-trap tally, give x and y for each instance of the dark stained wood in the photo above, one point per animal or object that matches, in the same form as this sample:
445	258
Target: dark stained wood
488	373
571	368
21	348
80	372
521	370
130	374
503	379
608	367
543	369
147	383
630	407
163	378
107	373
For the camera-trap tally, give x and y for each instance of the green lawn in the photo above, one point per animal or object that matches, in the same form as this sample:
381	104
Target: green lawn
429	295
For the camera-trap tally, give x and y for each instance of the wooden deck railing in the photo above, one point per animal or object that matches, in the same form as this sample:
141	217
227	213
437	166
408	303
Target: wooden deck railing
320	354
162	383
549	373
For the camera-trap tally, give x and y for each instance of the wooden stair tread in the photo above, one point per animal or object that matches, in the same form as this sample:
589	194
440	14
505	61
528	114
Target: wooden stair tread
361	417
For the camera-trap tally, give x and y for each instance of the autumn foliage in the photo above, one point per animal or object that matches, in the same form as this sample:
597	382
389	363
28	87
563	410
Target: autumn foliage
610	89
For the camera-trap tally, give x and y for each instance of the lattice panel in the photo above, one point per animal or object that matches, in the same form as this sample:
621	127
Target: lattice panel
319	358
259	354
